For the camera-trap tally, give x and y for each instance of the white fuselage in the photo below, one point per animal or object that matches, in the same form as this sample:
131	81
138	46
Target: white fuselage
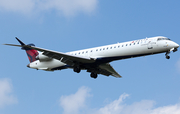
108	53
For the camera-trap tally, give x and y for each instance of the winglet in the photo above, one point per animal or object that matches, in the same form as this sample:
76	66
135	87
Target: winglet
20	41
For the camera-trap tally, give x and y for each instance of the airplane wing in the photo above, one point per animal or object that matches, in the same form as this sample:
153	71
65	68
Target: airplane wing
64	57
105	69
108	68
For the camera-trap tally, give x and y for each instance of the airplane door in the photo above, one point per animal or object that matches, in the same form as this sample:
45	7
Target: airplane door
147	43
150	46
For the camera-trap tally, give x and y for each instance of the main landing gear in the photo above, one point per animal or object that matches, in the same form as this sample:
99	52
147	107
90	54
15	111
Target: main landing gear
77	69
93	75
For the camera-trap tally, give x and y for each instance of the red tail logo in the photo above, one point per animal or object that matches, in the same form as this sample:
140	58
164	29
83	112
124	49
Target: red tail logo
32	54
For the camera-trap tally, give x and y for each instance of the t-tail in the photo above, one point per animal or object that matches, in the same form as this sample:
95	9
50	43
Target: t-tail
31	53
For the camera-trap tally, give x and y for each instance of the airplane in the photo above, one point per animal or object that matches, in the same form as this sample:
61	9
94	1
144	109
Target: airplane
96	60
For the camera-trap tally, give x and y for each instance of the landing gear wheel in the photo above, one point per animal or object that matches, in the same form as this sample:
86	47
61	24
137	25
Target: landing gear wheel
175	50
77	69
167	57
94	75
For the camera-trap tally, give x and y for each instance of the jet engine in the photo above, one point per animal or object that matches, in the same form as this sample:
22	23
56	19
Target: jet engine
42	57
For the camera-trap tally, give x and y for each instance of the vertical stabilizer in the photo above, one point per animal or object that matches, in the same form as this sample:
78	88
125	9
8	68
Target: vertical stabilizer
31	53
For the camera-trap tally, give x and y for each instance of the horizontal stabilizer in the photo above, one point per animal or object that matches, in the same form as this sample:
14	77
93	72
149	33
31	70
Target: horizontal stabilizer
13	45
31	53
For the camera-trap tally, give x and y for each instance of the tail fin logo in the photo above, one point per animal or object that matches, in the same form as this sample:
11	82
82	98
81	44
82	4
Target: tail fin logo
32	54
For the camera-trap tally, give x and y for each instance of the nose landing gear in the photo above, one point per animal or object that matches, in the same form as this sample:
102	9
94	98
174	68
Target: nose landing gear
168	52
167	55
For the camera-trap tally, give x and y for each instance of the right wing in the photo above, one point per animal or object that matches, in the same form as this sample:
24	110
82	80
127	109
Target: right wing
110	69
105	69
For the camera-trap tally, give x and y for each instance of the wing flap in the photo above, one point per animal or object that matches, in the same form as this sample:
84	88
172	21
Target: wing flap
99	71
110	70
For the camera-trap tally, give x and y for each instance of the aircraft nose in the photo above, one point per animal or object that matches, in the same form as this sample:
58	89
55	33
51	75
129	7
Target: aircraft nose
176	45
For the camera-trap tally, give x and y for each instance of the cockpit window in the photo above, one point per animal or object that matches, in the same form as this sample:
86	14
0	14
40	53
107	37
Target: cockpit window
163	39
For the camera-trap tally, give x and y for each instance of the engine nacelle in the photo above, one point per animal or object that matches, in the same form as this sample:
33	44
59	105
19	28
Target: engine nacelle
42	57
